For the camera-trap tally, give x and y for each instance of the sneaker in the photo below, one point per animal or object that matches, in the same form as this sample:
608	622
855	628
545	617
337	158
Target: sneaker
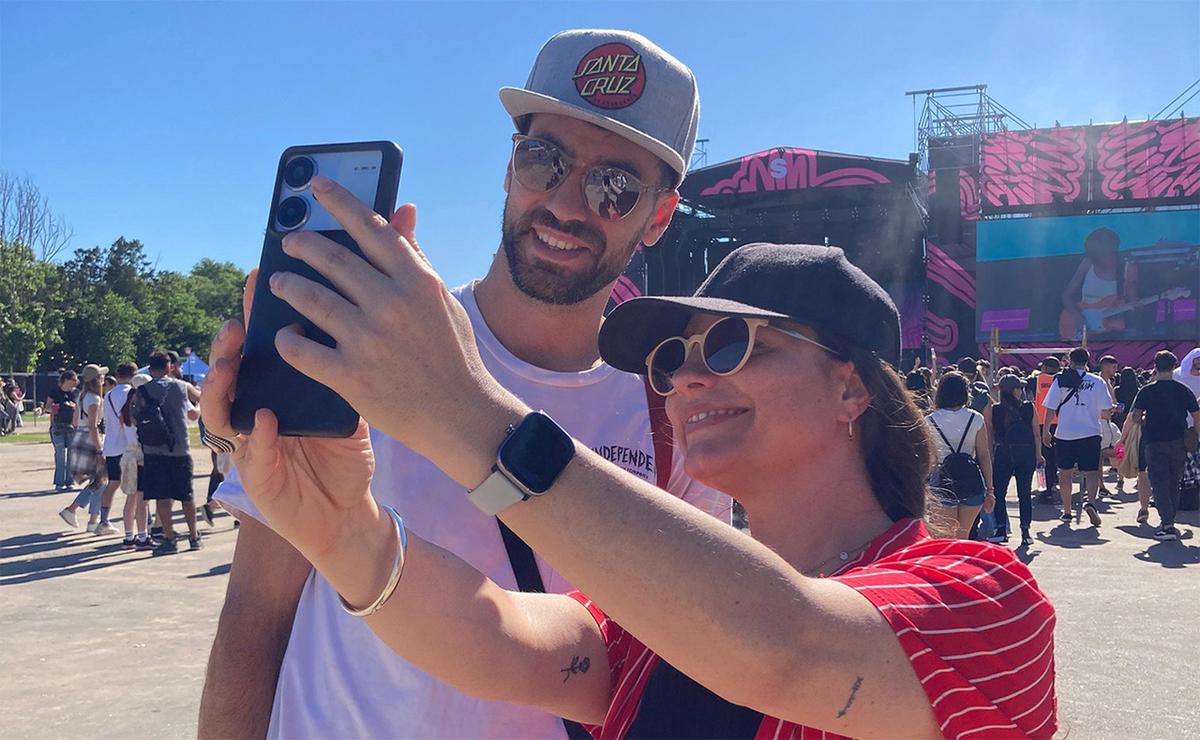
1143	516
1066	516
103	529
91	527
1026	539
68	516
194	543
208	518
128	543
144	545
1093	516
166	547
1165	534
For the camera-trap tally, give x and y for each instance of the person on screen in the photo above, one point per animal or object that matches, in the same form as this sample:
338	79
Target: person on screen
1103	281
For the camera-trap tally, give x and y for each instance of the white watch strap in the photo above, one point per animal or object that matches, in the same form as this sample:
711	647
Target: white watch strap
496	494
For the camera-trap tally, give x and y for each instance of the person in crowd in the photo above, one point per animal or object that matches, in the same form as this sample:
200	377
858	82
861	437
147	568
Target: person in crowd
1013	425
60	405
1188	371
1127	387
136	510
978	388
564	242
1126	390
1048	370
959	430
927	373
1108	371
160	408
1081	403
87	415
915	383
12	398
1163	408
843	617
115	443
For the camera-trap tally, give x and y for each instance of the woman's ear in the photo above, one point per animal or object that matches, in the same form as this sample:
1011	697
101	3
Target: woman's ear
855	395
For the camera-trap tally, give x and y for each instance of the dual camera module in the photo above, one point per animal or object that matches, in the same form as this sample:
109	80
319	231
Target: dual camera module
293	211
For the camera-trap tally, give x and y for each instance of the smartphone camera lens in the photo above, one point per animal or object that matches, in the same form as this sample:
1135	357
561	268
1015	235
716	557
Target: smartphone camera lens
291	213
298	172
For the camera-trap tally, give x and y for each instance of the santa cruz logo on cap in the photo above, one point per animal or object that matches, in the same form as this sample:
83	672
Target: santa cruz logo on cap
610	76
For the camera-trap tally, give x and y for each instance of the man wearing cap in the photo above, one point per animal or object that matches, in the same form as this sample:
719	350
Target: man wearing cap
605	128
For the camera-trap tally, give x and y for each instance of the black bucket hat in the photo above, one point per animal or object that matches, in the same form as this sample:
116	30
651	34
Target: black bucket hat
811	285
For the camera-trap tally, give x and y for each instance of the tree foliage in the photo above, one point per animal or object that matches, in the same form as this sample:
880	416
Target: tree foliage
107	305
104	304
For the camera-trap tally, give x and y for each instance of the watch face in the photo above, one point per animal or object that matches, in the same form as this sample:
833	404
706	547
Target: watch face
537	452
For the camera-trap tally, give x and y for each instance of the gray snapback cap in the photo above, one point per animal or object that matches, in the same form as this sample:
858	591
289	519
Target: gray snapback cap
619	81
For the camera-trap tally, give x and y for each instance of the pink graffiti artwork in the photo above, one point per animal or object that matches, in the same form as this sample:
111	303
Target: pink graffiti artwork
1023	168
944	271
1152	159
942	333
623	290
789	169
968	195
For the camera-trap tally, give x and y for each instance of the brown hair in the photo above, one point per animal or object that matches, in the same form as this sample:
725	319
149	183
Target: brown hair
895	442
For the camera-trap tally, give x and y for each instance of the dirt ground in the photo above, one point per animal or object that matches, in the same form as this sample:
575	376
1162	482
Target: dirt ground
102	643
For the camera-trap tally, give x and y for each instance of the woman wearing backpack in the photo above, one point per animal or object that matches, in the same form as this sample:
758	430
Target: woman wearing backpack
963	473
1012	423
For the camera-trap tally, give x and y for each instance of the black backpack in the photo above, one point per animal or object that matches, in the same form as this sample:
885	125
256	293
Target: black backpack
959	474
151	426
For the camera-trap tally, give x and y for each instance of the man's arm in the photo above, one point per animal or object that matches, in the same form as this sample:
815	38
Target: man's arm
252	634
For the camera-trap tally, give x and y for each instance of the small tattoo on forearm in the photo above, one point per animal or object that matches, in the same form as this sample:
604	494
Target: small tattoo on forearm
578	665
853	693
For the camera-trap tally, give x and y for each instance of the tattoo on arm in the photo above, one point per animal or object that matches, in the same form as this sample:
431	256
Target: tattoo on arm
853	693
578	665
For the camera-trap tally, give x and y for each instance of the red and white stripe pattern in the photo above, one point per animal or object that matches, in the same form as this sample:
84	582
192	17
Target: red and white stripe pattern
978	630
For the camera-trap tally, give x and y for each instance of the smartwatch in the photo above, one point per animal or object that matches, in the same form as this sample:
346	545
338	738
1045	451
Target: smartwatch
529	460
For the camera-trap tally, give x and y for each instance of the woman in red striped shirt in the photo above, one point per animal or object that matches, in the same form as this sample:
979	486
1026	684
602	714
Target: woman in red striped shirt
840	617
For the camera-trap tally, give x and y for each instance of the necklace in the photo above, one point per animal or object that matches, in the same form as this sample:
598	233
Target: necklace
842	556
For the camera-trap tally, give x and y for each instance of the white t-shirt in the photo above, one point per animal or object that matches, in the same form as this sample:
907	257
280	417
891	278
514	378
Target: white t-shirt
953	422
116	434
338	679
1080	417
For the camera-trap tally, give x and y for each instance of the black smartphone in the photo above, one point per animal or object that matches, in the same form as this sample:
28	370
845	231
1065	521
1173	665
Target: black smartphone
305	408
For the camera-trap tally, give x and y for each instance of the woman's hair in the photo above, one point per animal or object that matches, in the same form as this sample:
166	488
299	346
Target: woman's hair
951	391
895	442
915	381
95	385
1127	386
66	376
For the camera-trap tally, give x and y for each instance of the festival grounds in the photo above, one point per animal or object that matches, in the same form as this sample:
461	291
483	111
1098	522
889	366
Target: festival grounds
102	643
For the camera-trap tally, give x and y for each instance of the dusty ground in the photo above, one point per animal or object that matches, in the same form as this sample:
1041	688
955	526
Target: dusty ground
101	643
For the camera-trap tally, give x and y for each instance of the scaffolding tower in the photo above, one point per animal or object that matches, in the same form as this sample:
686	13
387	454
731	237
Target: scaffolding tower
953	112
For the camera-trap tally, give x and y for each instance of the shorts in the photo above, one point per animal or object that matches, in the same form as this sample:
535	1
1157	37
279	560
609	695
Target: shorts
1081	453
113	464
166	477
951	501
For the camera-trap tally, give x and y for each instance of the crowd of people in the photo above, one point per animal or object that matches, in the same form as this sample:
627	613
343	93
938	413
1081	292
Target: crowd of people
589	574
128	432
1060	422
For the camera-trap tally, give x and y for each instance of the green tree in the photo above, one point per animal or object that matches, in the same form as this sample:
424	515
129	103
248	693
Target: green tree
29	318
218	288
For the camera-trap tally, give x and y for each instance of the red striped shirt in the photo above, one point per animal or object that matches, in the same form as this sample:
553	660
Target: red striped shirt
969	615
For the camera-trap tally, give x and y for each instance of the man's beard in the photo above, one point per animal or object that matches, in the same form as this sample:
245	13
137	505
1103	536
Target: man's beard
553	284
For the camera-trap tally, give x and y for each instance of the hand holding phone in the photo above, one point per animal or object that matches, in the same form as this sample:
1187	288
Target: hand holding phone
301	405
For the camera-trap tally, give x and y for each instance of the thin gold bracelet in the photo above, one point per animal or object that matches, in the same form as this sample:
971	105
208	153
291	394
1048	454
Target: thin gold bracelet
394	578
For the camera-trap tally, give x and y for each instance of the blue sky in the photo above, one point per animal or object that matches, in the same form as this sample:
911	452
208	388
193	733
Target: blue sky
164	121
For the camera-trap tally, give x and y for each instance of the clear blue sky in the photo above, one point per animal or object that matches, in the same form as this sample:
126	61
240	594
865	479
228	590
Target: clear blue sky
163	121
